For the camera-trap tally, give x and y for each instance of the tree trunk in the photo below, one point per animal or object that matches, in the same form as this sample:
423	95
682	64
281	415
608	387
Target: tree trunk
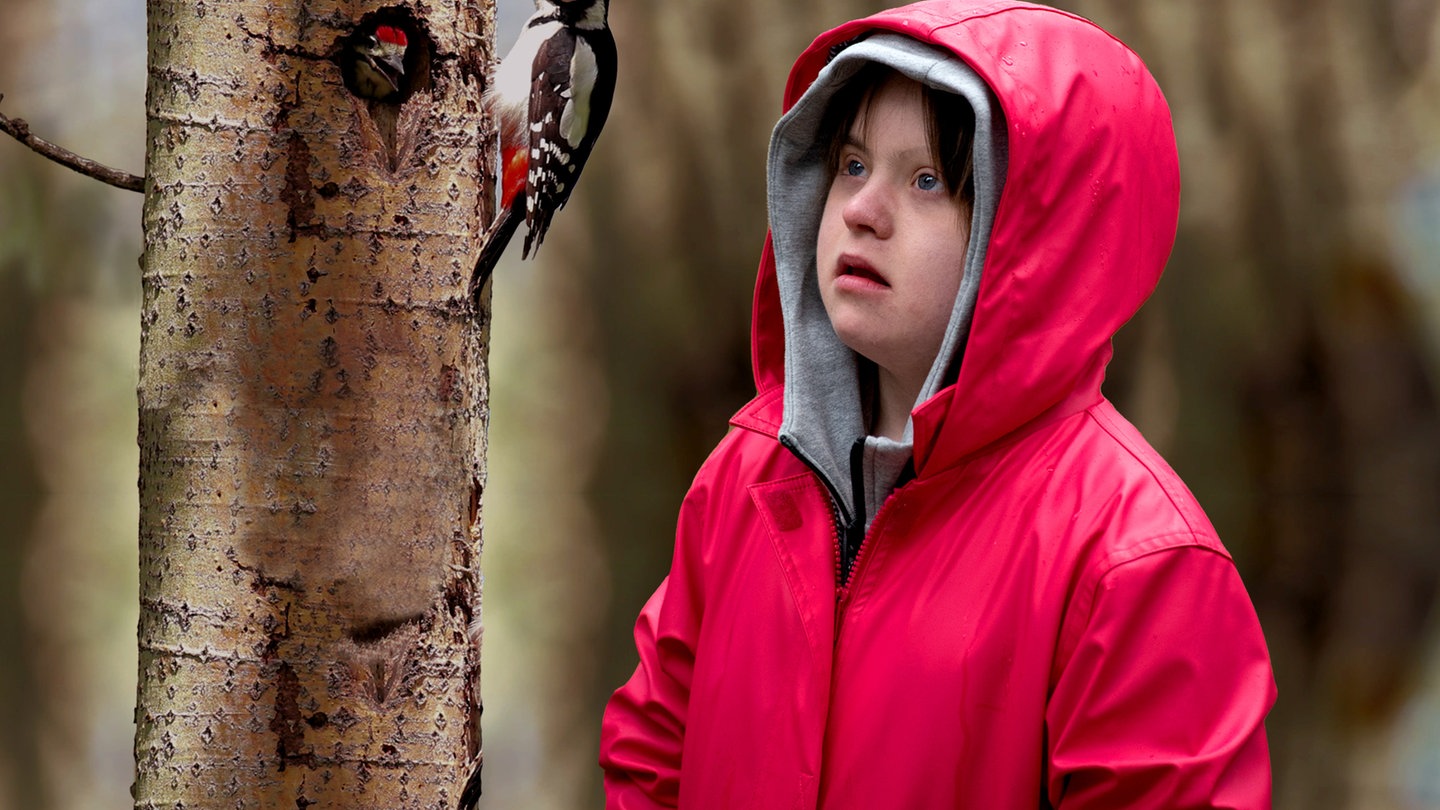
313	402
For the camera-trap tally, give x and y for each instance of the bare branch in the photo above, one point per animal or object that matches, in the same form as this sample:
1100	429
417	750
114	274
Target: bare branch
20	131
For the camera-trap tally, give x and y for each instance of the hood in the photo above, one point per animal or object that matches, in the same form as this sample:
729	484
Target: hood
823	414
1084	223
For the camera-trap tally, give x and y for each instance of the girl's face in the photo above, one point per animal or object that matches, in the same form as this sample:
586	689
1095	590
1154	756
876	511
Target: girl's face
892	239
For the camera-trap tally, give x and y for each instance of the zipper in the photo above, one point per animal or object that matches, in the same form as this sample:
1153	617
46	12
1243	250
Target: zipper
850	533
844	525
849	530
852	537
843	594
842	519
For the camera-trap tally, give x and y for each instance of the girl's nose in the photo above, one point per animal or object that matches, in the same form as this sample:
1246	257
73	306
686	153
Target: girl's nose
870	209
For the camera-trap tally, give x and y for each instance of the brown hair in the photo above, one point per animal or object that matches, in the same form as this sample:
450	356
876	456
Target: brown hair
951	133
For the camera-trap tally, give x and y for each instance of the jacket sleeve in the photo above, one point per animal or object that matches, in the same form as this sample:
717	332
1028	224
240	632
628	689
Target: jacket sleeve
643	730
1163	700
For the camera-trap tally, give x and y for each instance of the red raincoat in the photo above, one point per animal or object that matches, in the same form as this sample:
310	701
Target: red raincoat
1042	616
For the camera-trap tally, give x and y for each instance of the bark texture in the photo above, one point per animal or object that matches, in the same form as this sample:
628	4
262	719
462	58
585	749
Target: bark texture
313	403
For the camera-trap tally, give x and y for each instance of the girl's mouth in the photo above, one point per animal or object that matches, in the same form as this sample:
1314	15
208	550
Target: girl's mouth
854	267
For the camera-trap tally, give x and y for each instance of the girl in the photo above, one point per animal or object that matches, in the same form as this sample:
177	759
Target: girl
932	566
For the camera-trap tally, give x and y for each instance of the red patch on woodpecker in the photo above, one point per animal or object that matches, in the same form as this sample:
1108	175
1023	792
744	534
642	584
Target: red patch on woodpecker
390	34
512	181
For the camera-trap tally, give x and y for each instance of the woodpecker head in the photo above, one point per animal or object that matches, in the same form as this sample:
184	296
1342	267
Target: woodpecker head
379	62
579	13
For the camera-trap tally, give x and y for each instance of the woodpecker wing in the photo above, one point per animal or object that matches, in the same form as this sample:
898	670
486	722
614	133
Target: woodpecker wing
549	178
572	87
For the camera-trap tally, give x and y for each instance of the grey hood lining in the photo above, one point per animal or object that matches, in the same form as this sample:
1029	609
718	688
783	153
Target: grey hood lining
823	412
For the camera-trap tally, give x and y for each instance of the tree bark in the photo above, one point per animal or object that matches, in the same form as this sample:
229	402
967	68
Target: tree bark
313	402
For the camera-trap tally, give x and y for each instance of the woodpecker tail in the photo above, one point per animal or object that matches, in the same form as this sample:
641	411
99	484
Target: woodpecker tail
495	240
470	794
539	224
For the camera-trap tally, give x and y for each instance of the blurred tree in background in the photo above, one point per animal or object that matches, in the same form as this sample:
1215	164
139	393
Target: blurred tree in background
1288	364
1286	367
70	282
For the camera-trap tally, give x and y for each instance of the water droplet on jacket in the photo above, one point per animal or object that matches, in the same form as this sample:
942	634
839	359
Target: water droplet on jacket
1007	60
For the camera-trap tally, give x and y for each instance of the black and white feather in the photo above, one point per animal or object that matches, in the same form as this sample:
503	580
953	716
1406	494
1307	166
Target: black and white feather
550	96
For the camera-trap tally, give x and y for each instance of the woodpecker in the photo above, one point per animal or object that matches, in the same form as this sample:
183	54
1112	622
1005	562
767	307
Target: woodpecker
549	98
379	60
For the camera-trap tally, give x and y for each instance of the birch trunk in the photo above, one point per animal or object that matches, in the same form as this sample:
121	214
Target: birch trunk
313	403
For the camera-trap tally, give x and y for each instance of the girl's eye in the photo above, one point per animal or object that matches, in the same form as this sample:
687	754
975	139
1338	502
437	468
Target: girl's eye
854	168
927	182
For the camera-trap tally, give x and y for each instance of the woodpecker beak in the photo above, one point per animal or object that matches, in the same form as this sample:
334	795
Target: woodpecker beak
393	66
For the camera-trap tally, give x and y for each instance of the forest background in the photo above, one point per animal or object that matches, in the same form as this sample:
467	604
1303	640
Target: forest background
1286	366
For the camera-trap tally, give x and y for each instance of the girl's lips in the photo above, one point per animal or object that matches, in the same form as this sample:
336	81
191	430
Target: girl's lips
857	273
